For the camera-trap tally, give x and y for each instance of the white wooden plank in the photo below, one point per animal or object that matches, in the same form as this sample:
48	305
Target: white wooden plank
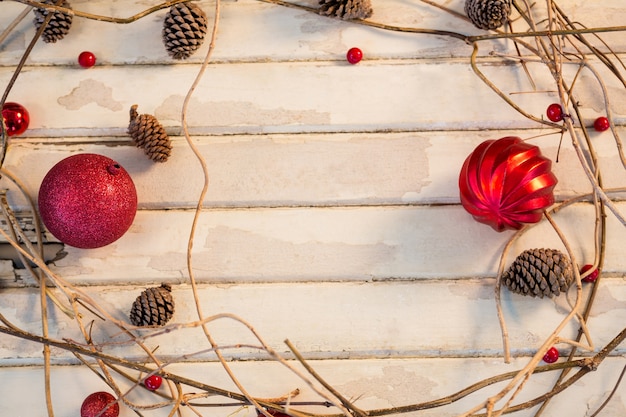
277	33
307	169
291	97
371	384
325	244
326	320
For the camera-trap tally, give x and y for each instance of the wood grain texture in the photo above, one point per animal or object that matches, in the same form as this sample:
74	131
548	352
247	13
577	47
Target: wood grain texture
332	217
434	318
405	381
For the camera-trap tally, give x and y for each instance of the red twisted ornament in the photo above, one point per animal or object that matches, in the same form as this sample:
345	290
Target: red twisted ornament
506	183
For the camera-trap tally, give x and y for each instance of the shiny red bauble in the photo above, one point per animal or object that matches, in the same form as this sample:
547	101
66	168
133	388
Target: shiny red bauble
153	382
601	124
506	183
354	55
554	112
86	59
101	404
16	118
87	201
551	356
592	276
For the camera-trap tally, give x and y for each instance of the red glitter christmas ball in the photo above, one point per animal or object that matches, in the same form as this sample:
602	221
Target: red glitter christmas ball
95	403
16	118
506	183
87	201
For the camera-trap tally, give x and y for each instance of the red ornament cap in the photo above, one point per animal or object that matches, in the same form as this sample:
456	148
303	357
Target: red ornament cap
87	201
16	118
506	183
100	404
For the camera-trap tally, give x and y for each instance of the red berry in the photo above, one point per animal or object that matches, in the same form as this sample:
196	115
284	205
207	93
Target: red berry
16	118
592	276
555	112
153	382
601	124
86	59
95	403
354	55
551	356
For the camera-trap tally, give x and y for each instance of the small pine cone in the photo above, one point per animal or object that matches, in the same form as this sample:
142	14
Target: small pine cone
150	135
153	307
539	272
58	26
184	29
346	9
488	14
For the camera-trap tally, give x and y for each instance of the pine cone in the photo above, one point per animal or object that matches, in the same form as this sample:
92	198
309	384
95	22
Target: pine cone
59	24
488	14
150	135
153	307
539	272
184	28
346	9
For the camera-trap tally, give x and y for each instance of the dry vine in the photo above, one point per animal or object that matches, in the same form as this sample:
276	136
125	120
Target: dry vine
553	41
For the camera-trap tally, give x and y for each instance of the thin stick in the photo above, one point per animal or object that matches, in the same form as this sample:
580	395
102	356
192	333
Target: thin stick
119	20
325	384
619	380
5	33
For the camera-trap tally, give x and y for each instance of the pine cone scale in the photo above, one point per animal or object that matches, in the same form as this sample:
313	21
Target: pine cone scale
346	9
184	29
539	273
488	14
58	26
153	307
149	134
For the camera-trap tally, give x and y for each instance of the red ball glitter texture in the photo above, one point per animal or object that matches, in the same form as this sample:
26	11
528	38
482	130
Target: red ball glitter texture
87	201
86	59
98	401
354	55
506	183
16	118
551	356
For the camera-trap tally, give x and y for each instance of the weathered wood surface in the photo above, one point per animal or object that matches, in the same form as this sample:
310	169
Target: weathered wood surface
351	320
332	217
418	379
300	244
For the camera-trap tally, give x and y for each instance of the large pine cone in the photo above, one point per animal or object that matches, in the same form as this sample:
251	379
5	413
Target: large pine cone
184	29
153	307
346	9
539	272
150	135
488	14
59	24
